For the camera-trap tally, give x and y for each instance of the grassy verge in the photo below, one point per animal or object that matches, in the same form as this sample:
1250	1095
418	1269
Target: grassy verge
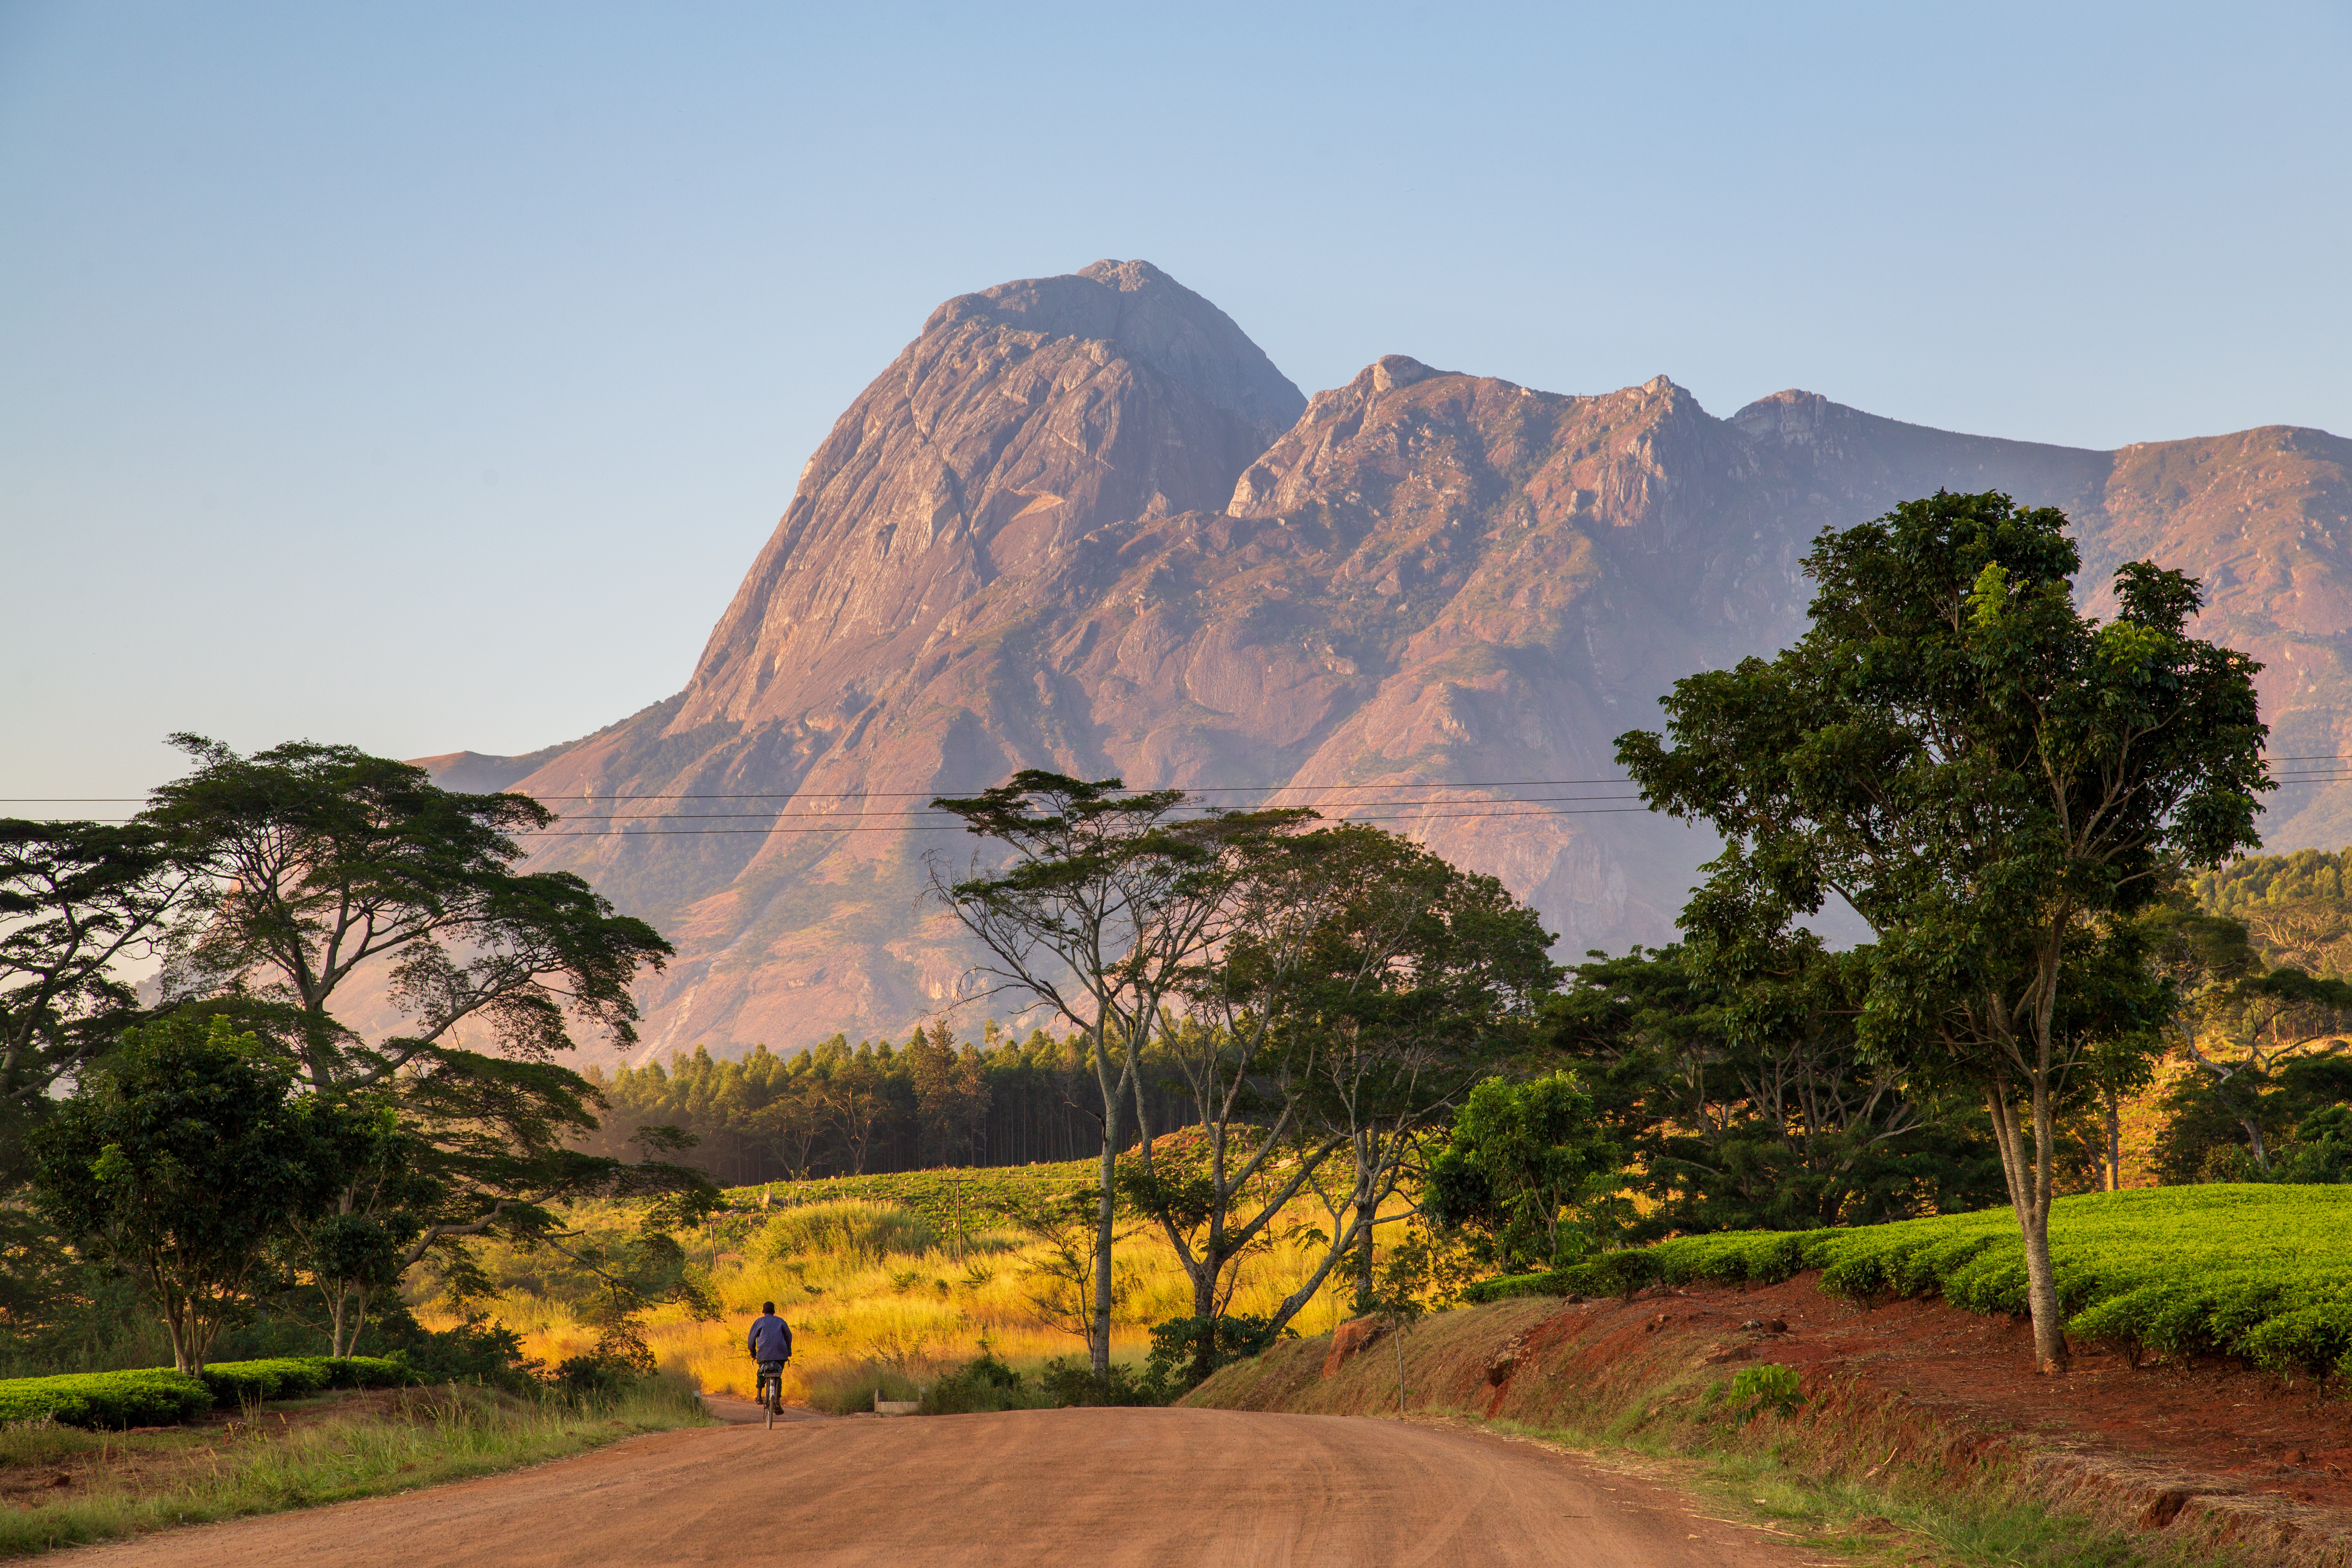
1780	1478
314	1451
1836	1467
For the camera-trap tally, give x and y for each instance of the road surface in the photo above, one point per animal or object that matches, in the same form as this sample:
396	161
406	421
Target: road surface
1113	1488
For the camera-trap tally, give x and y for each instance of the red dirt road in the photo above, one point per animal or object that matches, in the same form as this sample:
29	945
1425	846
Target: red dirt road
1110	1486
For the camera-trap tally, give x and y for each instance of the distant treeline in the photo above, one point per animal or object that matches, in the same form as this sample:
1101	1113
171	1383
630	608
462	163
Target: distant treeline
840	1109
2261	881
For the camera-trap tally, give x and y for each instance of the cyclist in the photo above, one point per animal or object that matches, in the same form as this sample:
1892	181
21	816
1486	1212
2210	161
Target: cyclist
771	1346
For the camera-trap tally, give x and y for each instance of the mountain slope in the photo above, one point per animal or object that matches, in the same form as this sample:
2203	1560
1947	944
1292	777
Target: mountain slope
1083	523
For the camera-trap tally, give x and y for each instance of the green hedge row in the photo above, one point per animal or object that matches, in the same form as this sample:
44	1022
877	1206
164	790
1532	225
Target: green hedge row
161	1397
2256	1271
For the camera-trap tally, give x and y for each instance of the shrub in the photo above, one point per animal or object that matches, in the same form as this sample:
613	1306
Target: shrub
1552	1282
1770	1386
1186	1350
621	1360
367	1371
251	1382
158	1397
979	1386
1614	1273
1067	1380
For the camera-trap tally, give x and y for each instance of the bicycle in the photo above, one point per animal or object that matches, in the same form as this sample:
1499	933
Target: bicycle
771	1390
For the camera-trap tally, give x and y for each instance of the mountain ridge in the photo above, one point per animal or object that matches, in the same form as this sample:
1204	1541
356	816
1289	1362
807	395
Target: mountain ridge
1035	541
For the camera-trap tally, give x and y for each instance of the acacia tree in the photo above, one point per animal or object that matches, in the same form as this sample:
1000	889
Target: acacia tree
1362	983
1992	780
322	859
323	870
1106	901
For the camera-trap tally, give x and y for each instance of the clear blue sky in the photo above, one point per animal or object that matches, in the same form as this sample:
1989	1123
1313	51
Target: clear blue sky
425	377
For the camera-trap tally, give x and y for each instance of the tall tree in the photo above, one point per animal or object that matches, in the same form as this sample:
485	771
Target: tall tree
1362	984
1423	980
322	864
1992	779
1104	901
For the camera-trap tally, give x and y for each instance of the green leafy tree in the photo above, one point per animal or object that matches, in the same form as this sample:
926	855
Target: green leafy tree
1519	1159
2247	1029
183	1163
1745	1100
1992	780
1422	982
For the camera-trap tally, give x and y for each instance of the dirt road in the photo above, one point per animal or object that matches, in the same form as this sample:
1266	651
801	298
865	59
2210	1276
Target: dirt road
1111	1486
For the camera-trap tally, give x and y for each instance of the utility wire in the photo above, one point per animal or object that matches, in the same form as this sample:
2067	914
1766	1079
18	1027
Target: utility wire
957	827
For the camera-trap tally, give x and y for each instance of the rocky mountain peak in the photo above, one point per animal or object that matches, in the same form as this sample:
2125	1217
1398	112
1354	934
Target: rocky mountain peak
1154	319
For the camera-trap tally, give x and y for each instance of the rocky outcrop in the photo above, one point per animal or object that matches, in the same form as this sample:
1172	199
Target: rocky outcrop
1081	522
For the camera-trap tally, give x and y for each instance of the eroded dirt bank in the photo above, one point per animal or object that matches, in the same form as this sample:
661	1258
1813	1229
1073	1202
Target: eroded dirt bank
2210	1451
1108	1486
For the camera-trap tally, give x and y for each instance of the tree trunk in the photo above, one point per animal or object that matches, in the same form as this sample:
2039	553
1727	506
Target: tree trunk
2114	1144
1114	1097
2025	1167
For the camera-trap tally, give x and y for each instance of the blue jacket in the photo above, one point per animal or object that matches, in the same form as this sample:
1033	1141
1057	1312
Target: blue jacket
772	1339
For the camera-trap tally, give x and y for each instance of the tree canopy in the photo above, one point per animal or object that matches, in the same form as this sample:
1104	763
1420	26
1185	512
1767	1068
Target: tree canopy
1992	780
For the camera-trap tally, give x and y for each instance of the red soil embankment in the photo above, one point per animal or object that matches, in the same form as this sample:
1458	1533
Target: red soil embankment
1916	1388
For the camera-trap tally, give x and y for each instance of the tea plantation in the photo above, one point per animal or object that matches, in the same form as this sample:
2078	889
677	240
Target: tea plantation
2259	1272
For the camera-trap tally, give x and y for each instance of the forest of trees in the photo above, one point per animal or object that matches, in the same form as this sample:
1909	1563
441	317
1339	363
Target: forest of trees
837	1110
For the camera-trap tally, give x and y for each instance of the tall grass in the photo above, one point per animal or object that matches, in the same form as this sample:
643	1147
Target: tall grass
876	1297
379	1444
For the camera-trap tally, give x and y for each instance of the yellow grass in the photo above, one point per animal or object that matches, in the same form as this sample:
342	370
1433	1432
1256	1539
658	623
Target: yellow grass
916	1313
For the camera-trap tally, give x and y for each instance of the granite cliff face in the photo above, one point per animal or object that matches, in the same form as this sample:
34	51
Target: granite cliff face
1081	522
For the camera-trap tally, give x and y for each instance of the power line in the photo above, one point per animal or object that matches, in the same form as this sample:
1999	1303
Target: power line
958	827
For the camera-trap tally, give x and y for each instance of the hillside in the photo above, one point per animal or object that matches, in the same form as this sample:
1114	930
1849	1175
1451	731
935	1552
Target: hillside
1081	522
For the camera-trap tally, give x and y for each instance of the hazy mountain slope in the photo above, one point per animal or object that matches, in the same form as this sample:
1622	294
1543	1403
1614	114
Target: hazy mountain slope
1081	522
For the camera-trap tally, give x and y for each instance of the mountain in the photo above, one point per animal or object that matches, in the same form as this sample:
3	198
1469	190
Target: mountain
1083	522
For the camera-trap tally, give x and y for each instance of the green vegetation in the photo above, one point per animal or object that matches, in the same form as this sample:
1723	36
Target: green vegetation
1337	989
2261	1273
2258	884
160	1396
116	1399
331	1448
1741	1101
1996	783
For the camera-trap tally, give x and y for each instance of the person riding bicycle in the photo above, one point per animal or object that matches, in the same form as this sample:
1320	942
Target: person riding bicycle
771	1346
